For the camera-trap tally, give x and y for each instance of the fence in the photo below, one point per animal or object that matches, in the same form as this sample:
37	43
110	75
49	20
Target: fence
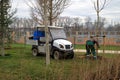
107	38
76	37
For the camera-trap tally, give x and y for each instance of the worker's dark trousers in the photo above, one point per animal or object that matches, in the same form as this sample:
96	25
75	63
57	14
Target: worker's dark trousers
90	49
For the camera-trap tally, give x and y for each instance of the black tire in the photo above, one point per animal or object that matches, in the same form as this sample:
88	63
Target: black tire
35	52
70	56
57	55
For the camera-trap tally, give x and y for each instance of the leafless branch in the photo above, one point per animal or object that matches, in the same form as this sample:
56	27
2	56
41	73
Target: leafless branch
54	9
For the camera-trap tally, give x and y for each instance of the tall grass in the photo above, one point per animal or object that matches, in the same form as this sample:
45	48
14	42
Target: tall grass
21	65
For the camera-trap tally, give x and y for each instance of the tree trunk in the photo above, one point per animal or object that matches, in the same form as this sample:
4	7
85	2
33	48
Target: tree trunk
2	43
46	34
51	13
98	19
2	16
2	51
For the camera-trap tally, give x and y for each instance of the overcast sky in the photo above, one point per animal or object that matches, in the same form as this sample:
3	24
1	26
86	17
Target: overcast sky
77	8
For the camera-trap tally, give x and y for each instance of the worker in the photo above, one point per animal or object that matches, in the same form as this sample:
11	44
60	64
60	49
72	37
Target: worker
90	47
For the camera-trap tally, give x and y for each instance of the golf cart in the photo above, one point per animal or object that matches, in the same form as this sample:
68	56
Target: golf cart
60	47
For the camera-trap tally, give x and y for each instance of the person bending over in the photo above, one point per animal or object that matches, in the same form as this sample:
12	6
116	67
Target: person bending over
90	47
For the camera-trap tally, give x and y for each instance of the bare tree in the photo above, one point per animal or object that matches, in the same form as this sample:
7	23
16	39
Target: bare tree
99	5
47	33
88	24
45	12
53	7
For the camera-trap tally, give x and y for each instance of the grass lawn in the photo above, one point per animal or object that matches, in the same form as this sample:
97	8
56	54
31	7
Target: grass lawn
21	65
107	47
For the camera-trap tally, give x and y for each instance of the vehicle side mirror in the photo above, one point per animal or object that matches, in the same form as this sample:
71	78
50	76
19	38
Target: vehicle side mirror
31	37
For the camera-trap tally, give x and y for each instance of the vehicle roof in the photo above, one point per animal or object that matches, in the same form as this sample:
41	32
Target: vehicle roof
42	26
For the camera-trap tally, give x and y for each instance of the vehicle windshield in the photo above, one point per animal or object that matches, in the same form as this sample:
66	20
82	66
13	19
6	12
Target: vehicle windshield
57	33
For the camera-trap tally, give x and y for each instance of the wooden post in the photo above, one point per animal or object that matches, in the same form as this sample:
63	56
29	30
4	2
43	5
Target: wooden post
103	42
97	47
74	41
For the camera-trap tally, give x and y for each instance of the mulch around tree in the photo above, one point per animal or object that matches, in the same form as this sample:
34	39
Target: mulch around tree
91	57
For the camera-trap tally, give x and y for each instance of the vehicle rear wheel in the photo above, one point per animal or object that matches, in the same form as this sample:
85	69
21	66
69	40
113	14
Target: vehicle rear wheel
57	55
34	52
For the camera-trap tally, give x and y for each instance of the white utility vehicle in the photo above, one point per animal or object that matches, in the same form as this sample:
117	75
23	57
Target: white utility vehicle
60	47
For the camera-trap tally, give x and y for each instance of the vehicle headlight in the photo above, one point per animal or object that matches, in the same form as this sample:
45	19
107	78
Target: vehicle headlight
61	46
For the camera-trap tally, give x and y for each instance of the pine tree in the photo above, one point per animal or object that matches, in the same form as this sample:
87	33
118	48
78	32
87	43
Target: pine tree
5	20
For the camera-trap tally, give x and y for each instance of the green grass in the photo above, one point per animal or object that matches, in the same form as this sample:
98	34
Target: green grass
21	65
76	46
107	47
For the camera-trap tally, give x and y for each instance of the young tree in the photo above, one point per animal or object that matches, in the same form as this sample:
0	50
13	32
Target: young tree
5	19
53	7
44	12
99	5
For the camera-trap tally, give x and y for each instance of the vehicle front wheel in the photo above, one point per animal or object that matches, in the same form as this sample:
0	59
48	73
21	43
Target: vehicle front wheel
34	52
70	56
57	55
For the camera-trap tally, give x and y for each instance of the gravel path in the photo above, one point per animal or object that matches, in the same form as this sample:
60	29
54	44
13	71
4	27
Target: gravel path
99	51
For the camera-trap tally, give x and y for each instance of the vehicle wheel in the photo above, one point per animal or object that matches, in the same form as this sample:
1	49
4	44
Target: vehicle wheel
71	56
57	55
34	52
